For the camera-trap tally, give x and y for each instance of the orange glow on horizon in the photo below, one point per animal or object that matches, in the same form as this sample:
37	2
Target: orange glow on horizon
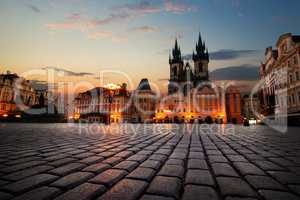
112	86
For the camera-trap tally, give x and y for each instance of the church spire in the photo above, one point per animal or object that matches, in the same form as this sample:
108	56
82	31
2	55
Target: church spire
200	49
176	53
207	55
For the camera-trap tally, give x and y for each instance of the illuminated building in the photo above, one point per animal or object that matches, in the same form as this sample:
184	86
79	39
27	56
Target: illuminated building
12	89
280	72
192	97
103	104
233	105
248	104
114	103
143	103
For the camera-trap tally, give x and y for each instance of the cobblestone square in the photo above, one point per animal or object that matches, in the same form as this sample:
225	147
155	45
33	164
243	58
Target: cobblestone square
159	162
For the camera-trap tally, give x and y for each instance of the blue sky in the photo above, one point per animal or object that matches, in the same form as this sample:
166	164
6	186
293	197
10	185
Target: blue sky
136	36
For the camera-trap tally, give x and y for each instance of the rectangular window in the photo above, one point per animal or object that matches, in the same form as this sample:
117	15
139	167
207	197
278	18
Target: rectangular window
293	99
295	60
297	76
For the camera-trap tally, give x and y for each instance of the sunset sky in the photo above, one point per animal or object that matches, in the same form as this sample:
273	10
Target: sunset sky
84	37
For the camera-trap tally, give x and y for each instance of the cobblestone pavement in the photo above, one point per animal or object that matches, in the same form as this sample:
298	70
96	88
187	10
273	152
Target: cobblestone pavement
161	162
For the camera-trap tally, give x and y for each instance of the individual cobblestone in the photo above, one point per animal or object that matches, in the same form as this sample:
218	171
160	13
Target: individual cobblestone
126	190
193	192
40	193
84	191
199	177
165	186
72	180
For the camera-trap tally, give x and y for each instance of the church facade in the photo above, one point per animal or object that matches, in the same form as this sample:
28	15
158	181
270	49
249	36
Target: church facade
192	97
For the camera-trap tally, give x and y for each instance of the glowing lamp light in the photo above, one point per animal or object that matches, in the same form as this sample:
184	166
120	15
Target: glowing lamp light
18	116
112	86
167	111
252	121
76	116
221	114
5	115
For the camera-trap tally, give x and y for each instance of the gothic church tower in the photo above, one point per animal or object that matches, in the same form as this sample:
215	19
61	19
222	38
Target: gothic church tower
176	69
201	60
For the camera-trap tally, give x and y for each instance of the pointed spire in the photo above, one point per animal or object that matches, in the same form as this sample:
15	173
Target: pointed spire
201	49
176	53
199	39
207	54
176	44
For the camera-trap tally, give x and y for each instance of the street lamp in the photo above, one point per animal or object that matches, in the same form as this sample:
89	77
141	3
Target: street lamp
110	100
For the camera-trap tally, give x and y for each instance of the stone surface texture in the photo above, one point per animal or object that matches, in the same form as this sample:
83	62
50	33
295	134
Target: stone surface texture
160	162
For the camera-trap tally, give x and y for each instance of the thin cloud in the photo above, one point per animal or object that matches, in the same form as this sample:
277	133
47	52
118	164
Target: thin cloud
145	29
227	54
141	8
33	8
100	34
68	72
107	34
242	72
118	14
111	19
63	26
147	7
75	16
178	7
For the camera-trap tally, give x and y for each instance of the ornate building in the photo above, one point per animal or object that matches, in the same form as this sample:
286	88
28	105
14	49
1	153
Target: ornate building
116	104
103	104
182	77
144	102
280	94
16	94
249	105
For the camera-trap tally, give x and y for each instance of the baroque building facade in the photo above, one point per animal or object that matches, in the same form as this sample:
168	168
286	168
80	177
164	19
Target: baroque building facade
116	104
249	105
16	94
103	104
280	93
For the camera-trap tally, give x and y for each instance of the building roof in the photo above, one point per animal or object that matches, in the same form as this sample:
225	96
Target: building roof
144	85
9	76
296	38
282	37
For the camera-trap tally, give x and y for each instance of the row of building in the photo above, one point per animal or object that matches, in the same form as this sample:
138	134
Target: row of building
17	94
191	97
117	104
280	80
